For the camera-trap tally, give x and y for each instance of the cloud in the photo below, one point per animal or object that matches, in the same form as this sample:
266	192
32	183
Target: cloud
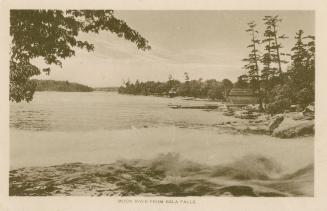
116	59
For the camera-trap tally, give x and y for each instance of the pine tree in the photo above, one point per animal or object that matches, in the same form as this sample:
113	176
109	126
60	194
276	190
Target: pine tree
299	56
310	60
267	72
266	59
274	46
253	59
302	69
272	73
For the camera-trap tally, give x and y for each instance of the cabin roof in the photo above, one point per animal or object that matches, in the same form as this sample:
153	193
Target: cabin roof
241	92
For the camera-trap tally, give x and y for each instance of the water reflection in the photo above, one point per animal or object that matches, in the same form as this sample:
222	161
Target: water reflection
57	111
30	120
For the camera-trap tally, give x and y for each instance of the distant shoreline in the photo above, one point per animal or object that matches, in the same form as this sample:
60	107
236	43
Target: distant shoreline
106	89
67	86
60	86
175	97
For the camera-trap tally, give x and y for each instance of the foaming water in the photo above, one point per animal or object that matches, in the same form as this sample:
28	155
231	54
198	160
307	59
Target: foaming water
39	148
169	152
164	175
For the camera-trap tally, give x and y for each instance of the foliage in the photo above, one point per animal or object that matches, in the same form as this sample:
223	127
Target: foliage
303	61
281	99
302	71
53	36
228	85
273	48
242	82
252	66
60	86
299	86
190	88
276	88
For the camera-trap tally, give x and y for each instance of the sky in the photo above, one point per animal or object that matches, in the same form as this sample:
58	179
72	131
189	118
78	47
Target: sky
206	44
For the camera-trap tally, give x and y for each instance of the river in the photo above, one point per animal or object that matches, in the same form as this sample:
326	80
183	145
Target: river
103	127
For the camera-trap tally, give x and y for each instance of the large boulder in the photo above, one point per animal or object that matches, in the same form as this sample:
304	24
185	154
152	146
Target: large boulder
257	129
309	112
275	122
228	113
293	108
297	116
246	114
253	107
291	128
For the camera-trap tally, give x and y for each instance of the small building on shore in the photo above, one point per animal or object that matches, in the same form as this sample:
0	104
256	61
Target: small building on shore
172	92
242	96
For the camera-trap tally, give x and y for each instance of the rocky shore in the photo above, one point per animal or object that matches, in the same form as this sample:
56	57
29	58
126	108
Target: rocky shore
286	125
227	153
249	120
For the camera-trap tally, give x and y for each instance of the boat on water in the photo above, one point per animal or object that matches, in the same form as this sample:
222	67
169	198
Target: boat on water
174	106
193	106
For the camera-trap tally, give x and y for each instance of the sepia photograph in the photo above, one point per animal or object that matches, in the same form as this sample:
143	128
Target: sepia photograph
161	103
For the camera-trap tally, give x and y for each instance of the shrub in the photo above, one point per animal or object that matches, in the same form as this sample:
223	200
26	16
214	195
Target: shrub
281	99
304	97
278	106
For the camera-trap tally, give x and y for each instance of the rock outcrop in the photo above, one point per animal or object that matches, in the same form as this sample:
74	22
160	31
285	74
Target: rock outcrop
309	112
294	128
287	125
275	122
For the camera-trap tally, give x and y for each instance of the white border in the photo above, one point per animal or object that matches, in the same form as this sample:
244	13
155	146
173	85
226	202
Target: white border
317	203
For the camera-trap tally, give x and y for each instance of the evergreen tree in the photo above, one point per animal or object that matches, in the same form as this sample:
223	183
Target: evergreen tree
267	70
310	60
253	59
273	48
302	69
242	82
271	74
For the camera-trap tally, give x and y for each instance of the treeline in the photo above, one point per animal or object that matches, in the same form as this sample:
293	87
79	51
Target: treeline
278	89
106	89
275	88
212	88
60	86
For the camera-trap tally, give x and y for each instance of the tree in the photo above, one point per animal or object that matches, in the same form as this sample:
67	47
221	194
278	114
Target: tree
53	36
253	59
252	66
268	71
172	83
242	82
185	88
274	46
302	69
272	73
310	60
298	88
282	97
228	85
216	91
187	77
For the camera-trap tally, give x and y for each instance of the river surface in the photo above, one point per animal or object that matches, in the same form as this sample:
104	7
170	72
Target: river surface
103	127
